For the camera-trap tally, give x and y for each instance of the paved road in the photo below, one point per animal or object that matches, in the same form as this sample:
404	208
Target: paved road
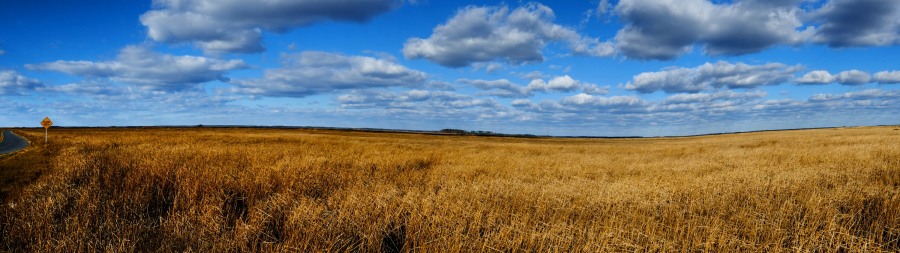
12	143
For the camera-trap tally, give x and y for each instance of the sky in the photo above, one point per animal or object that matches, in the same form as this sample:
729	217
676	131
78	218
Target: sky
591	67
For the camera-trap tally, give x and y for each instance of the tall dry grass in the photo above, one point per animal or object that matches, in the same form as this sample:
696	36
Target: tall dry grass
308	190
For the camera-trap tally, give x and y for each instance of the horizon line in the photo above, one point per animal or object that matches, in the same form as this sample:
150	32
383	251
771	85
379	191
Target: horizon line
465	132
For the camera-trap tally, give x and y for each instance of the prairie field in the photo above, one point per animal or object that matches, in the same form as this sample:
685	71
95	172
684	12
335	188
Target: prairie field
225	190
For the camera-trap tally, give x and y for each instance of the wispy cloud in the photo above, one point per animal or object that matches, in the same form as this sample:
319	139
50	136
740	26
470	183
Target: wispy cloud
139	65
507	88
712	75
13	83
312	72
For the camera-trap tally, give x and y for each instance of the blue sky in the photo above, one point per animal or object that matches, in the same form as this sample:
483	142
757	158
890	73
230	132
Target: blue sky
606	68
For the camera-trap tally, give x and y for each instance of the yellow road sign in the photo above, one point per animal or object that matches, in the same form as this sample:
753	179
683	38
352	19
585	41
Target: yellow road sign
46	122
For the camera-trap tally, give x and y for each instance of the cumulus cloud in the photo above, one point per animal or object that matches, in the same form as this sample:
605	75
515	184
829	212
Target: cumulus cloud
593	89
853	77
313	72
236	26
887	77
816	77
849	77
12	83
849	23
666	29
521	102
486	34
712	75
560	83
506	88
141	66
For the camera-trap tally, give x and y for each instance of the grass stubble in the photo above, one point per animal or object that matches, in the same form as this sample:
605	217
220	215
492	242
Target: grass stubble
163	189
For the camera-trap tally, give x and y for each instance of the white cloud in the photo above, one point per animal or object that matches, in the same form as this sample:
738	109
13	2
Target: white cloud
440	108
439	85
506	88
141	66
521	102
684	98
707	103
593	89
490	67
853	77
857	95
530	75
887	77
849	77
579	108
313	72
559	83
603	7
816	77
499	87
583	99
669	80
486	34
697	111
709	76
236	25
89	88
12	83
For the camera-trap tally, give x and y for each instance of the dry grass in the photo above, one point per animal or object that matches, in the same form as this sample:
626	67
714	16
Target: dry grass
306	190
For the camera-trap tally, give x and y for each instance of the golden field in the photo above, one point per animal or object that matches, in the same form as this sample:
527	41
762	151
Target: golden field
215	190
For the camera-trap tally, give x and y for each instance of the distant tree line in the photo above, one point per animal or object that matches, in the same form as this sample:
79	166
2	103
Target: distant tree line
479	133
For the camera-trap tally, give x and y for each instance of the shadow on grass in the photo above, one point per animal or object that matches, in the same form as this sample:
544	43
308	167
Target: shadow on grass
22	168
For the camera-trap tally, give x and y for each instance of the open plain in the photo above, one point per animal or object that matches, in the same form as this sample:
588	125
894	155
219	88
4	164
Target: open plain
243	189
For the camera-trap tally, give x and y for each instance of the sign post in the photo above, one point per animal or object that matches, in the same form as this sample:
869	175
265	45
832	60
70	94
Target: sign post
46	123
